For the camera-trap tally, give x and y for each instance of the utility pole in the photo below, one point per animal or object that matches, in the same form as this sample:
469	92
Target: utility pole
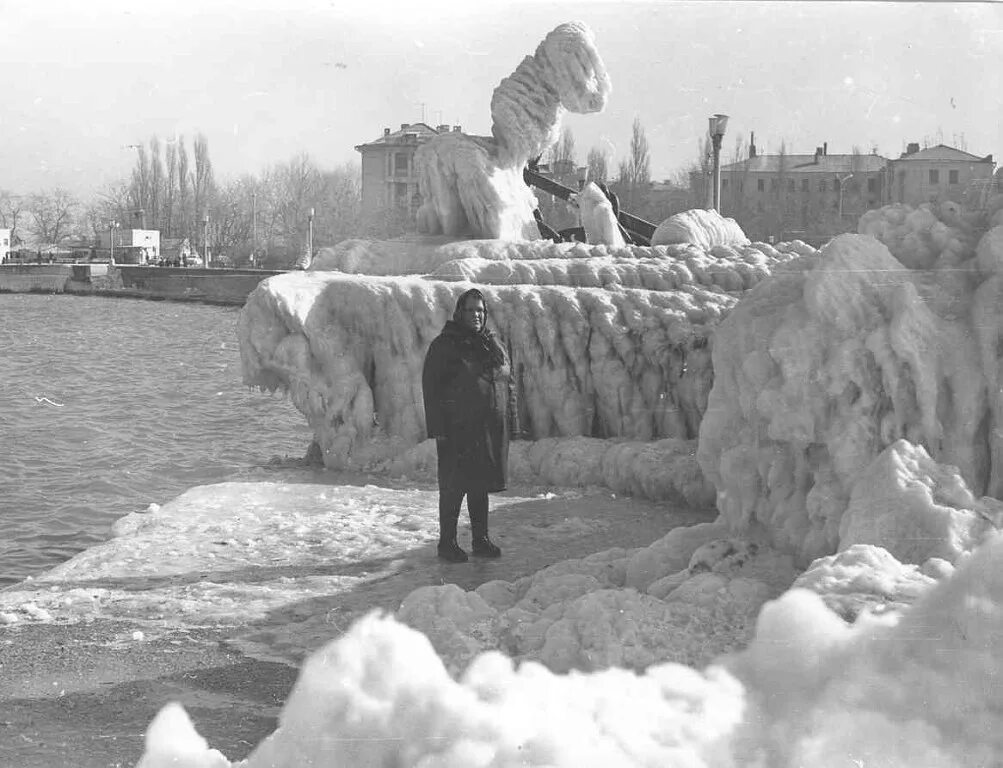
254	225
309	248
205	239
718	124
111	236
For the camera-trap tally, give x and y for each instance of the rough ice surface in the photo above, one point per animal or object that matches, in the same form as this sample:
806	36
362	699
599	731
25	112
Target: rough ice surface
598	219
473	186
809	689
704	228
609	343
820	369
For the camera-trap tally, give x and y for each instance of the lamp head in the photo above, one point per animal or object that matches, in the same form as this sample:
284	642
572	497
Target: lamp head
718	125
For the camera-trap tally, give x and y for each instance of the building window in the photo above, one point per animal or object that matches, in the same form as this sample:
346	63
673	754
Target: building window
774	185
804	185
400	163
952	177
724	184
934	177
872	184
821	185
400	193
761	185
790	185
741	186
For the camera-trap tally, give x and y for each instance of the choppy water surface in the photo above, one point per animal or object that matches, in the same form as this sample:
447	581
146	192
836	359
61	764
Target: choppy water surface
107	405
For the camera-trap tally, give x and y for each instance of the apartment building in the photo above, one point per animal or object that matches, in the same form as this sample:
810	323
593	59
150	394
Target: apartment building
389	176
784	194
940	173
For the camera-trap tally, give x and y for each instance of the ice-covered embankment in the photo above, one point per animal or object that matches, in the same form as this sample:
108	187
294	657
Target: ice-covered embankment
609	347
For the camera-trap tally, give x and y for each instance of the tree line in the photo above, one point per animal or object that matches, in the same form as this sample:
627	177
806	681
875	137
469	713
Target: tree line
173	188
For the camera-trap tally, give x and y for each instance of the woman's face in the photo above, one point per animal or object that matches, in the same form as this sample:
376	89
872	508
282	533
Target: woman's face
473	314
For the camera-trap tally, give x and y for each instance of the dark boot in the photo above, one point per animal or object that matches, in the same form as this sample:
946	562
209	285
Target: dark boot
477	505
449	513
451	552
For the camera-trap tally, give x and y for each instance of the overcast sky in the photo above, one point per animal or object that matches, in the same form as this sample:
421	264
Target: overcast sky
267	80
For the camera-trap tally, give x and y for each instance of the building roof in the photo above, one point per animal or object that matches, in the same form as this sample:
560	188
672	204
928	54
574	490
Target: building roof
809	164
420	131
944	152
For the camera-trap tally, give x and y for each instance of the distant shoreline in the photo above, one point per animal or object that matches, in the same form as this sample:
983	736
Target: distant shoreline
222	286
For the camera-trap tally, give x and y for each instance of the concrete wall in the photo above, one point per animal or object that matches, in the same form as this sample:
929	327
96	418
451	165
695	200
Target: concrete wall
217	286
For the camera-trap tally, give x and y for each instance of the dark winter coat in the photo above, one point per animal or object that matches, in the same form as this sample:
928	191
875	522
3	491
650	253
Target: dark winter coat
466	383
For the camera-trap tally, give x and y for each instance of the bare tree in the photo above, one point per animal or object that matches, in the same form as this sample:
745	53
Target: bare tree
11	212
169	189
562	154
598	165
298	185
52	214
634	172
185	218
153	215
202	178
339	204
140	188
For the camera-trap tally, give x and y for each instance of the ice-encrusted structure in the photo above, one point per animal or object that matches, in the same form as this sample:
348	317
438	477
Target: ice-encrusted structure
606	342
840	355
473	186
598	219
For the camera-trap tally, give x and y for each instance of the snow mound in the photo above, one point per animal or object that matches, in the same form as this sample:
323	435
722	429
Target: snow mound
820	369
703	228
173	742
687	598
810	689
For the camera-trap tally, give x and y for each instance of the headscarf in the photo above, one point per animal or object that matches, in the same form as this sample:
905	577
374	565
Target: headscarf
489	342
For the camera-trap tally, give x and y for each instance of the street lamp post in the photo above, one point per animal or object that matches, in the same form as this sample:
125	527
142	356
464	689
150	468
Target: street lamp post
842	181
205	240
112	226
309	242
718	125
254	227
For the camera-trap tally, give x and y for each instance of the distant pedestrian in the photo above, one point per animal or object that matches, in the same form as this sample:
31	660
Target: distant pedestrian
467	390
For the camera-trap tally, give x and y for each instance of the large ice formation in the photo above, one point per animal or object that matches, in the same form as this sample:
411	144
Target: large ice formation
473	186
840	355
607	342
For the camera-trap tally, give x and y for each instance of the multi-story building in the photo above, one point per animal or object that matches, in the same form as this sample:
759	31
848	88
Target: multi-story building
389	176
798	195
939	173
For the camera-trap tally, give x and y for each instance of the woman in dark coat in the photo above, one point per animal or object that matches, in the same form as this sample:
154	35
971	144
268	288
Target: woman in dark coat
466	383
